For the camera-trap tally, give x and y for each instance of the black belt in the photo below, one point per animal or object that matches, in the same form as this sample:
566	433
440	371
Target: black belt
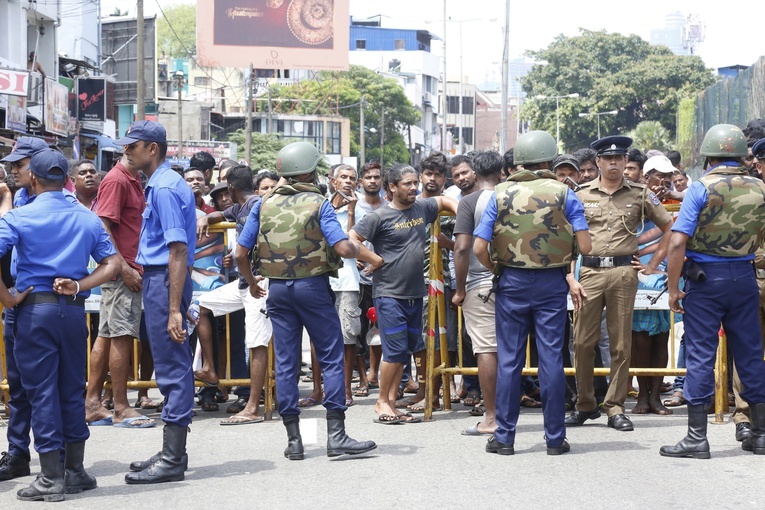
154	268
621	260
50	297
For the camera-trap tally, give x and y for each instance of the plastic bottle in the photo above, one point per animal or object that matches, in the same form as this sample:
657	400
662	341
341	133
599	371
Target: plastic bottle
193	314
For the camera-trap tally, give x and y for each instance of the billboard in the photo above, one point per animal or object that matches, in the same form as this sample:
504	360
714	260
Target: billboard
273	34
14	83
91	99
56	114
219	150
16	114
120	48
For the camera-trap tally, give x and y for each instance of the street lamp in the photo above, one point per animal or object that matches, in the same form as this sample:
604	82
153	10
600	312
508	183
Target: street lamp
598	114
557	115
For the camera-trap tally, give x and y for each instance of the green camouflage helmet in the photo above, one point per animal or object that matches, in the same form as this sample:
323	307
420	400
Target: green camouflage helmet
724	140
534	147
297	159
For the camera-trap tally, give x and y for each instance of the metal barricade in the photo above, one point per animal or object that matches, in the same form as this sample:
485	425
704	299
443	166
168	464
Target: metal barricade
269	382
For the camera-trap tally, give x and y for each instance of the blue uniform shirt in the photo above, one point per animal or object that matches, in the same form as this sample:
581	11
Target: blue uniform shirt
170	217
21	199
53	238
574	215
330	227
695	199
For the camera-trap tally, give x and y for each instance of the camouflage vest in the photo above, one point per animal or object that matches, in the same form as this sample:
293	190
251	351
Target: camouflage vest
732	222
291	244
531	230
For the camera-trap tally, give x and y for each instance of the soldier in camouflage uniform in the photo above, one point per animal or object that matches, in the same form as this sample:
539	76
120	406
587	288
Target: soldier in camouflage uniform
298	243
532	224
719	228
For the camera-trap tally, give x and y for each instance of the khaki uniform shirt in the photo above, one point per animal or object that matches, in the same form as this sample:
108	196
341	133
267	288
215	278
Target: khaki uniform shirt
614	220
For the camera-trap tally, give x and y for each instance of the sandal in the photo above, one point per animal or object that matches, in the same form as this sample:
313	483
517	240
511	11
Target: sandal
360	392
146	403
676	400
221	397
207	404
109	404
478	410
473	399
530	402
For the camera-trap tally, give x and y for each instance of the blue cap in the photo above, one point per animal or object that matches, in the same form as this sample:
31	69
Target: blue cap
758	149
25	147
611	145
46	160
146	130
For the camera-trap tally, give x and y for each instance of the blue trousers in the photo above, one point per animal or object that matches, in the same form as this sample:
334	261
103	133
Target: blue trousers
525	297
309	303
50	351
729	296
19	422
172	361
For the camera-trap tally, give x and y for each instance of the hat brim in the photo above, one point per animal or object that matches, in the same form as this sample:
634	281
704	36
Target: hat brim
13	157
126	141
611	152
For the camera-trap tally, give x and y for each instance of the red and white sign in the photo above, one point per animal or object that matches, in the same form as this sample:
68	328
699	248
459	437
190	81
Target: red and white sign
14	83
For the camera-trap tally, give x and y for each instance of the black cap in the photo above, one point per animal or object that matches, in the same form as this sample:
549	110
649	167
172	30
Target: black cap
566	159
611	145
221	186
758	149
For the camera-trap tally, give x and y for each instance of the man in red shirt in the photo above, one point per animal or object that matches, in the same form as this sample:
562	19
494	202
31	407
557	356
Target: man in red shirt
120	205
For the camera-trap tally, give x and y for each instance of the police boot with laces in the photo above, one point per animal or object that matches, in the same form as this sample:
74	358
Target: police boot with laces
13	466
75	477
756	442
338	442
695	444
294	450
170	467
49	484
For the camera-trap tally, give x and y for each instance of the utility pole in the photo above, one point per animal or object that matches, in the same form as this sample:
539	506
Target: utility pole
179	86
444	102
362	153
248	118
460	147
270	123
505	88
382	137
140	85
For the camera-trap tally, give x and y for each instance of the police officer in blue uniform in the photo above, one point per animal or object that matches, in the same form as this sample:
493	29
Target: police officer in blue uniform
296	299
54	240
15	462
166	252
719	228
532	223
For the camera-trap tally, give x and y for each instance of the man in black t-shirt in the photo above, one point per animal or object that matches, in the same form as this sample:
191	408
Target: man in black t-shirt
397	232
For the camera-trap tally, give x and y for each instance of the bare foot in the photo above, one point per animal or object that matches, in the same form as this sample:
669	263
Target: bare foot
486	428
94	411
641	408
209	377
385	408
658	408
125	413
248	415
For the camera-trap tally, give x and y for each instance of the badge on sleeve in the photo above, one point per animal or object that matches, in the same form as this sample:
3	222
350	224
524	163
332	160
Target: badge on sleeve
654	199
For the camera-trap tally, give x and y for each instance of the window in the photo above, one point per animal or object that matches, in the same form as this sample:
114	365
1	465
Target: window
452	104
333	137
201	81
467	105
467	135
361	44
399	44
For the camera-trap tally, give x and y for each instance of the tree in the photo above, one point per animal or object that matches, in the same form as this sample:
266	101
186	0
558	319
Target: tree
265	147
178	34
650	134
609	72
340	92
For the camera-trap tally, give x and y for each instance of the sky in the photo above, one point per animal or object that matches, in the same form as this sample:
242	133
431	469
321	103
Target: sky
730	37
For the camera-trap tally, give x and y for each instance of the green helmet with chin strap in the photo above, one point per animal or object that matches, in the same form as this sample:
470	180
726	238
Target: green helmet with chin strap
297	159
724	140
534	147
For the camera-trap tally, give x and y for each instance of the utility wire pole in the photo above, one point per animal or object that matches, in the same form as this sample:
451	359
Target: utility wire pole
505	78
140	85
248	117
362	152
179	85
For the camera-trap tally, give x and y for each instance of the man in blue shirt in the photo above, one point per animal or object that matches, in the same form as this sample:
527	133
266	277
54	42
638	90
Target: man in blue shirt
299	243
532	223
55	240
719	228
166	252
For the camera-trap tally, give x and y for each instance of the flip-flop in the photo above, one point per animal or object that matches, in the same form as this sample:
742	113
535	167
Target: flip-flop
146	403
407	418
420	408
676	400
360	392
128	423
387	419
229	421
473	431
530	402
208	383
373	385
103	422
406	402
308	402
349	402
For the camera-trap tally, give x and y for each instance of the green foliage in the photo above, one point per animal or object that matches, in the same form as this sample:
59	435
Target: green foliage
183	18
609	72
332	92
650	134
686	121
265	147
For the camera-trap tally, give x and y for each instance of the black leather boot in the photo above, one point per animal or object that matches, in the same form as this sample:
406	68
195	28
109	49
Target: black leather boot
75	477
756	442
140	465
294	450
49	485
170	466
695	444
13	466
338	442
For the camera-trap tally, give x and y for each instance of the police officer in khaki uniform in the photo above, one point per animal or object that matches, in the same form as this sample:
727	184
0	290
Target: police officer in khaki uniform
614	208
